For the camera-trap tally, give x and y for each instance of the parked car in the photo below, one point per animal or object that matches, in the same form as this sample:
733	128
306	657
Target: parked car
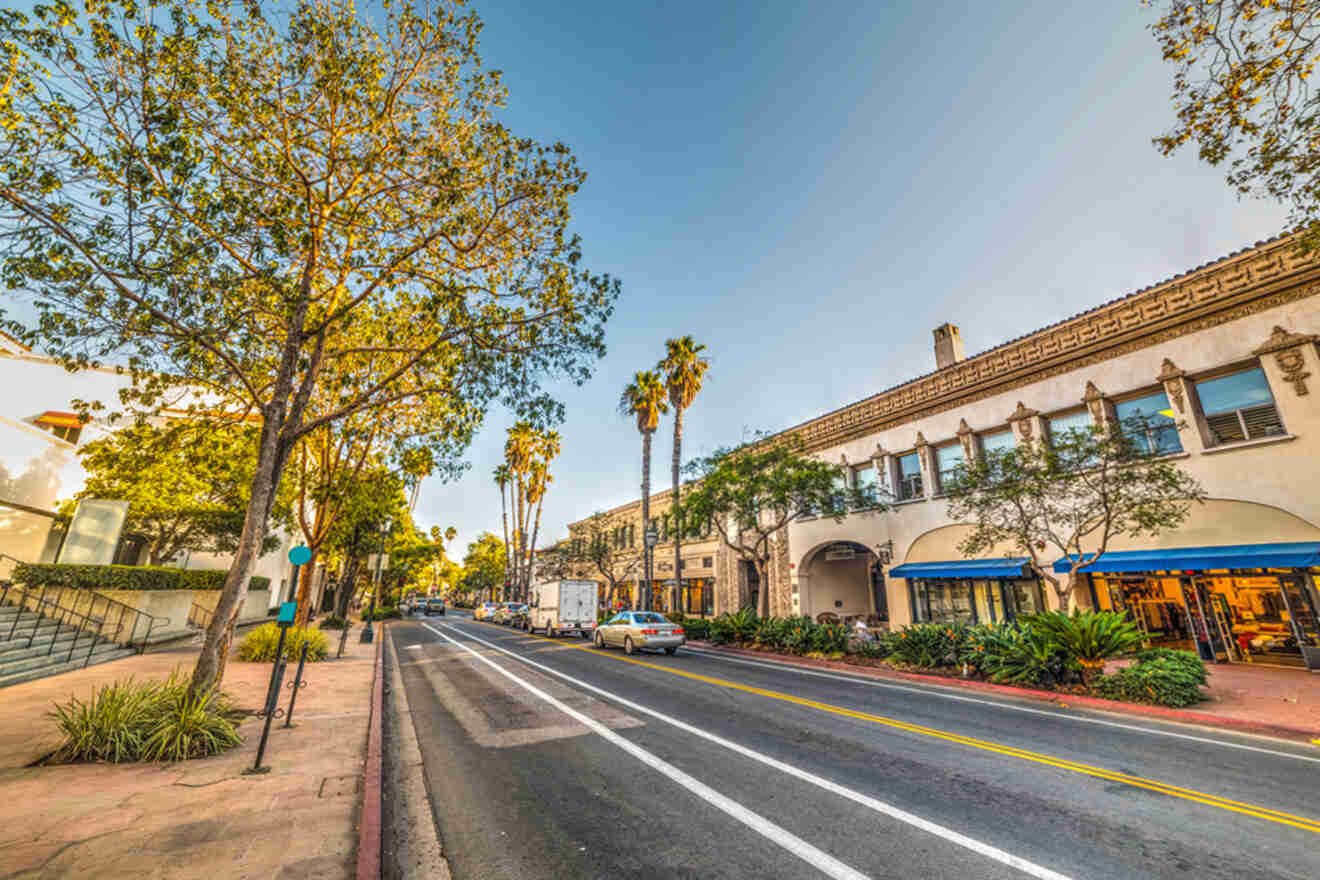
485	610
433	606
635	630
517	615
502	613
563	607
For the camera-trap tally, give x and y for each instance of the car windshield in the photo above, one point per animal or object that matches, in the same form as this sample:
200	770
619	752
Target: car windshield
649	617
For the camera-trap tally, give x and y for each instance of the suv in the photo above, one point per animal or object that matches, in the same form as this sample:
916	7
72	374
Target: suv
432	606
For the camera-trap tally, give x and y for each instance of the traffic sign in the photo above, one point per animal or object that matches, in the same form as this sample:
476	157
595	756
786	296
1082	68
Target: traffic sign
287	611
300	555
652	537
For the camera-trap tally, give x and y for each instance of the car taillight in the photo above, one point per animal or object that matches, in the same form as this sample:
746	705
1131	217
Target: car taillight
678	630
650	632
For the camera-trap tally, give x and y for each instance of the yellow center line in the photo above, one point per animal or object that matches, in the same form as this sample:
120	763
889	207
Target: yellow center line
1200	797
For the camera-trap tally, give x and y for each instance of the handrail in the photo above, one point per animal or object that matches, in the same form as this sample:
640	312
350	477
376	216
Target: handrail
199	616
94	620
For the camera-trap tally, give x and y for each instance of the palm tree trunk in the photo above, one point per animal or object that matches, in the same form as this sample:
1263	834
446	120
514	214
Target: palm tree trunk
678	520
504	512
645	593
531	556
519	535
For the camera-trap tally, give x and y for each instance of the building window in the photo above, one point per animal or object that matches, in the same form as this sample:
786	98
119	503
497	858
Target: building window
997	441
866	481
948	459
682	565
707	561
909	476
942	601
1148	423
1239	407
1061	424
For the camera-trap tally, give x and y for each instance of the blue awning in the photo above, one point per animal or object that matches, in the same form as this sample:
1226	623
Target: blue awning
963	568
1302	554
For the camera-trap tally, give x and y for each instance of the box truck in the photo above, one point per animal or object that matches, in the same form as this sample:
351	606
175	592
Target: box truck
563	607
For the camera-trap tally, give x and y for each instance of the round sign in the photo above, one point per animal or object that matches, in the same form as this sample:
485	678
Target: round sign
300	555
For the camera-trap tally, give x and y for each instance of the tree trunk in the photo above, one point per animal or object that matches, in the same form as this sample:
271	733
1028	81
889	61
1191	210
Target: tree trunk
504	512
531	555
347	587
519	538
644	593
763	589
304	597
678	520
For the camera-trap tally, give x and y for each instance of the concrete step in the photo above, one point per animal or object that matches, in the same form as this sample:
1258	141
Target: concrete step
32	629
38	661
11	678
61	648
43	642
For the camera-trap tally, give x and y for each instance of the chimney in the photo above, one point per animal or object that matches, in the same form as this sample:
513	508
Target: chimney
948	346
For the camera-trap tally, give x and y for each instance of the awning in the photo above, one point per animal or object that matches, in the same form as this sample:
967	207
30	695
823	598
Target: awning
963	568
1302	554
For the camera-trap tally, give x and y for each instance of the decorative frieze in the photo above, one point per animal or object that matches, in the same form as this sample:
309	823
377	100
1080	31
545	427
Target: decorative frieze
1289	354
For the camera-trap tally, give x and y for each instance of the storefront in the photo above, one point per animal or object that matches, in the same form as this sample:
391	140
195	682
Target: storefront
1248	603
698	596
970	590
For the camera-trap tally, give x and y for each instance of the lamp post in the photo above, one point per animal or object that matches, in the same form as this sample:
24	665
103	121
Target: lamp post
367	635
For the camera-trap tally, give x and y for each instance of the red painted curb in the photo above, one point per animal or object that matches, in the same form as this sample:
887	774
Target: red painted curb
368	861
1204	719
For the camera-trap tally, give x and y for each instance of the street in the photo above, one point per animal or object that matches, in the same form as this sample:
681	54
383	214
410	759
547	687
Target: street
549	759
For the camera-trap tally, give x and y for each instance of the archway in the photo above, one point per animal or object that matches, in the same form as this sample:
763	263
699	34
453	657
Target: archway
842	578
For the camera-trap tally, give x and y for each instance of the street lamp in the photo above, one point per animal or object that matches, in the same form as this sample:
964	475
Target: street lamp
367	635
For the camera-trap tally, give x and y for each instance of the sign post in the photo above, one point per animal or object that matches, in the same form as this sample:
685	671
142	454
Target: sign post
652	538
299	556
285	620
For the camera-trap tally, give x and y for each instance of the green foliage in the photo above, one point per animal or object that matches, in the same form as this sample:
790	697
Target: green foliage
333	621
1085	487
792	635
384	613
1188	660
934	645
147	721
484	565
1161	679
696	628
1023	655
261	645
1088	638
123	577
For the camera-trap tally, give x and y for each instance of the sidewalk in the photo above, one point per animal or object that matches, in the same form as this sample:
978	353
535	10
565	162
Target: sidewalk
1272	701
198	819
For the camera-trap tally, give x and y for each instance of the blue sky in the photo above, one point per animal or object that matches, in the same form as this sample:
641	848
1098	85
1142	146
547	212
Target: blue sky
810	187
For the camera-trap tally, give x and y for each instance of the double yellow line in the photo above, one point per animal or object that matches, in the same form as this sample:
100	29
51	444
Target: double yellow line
1189	794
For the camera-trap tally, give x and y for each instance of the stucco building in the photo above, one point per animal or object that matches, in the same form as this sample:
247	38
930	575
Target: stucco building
1223	360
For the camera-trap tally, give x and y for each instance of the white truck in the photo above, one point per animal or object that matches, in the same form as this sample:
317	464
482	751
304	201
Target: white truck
563	607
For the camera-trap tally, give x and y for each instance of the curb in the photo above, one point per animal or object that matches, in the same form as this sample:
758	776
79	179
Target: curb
1182	716
368	861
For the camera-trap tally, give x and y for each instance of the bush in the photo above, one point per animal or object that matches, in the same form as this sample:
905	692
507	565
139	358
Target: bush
1022	655
696	628
260	645
123	577
334	621
383	614
1162	679
148	721
1088	638
931	645
1189	660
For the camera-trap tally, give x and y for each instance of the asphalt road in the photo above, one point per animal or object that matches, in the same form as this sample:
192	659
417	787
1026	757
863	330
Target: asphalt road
552	760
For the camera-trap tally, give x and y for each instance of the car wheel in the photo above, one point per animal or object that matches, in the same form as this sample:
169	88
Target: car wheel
582	633
628	645
600	642
670	651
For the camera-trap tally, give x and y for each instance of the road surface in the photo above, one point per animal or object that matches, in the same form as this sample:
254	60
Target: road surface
549	759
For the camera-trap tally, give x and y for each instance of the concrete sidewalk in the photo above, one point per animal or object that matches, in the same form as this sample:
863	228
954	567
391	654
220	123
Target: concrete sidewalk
197	819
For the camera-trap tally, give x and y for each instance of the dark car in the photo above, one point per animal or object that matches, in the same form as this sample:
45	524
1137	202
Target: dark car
434	606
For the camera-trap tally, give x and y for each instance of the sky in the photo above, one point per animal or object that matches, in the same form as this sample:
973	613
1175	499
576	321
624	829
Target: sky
809	188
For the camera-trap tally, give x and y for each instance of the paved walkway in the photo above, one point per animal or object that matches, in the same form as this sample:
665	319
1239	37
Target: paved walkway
1264	695
198	819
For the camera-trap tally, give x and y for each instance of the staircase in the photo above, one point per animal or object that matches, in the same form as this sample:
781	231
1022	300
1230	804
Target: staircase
40	637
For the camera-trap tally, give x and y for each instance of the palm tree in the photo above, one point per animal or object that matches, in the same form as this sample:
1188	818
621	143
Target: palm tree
683	369
518	451
547	447
644	399
502	475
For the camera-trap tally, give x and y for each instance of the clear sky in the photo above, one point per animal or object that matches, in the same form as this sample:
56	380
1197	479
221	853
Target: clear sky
809	188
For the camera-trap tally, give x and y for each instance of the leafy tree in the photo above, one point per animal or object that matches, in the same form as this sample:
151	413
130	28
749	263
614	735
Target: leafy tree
1242	94
644	400
1070	496
683	369
750	493
483	566
266	206
186	485
600	544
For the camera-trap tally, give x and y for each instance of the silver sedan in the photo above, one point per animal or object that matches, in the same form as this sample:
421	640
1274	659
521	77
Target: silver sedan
635	630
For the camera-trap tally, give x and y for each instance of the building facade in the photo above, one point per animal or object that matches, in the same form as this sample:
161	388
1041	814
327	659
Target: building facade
1222	361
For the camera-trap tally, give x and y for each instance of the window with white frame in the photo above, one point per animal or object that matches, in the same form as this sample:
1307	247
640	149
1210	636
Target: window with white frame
909	476
1238	407
1148	422
948	459
997	441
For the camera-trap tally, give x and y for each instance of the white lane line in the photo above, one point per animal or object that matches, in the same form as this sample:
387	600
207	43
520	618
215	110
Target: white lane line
976	846
822	861
936	690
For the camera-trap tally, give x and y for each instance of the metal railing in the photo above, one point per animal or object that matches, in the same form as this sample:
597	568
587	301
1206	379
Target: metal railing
101	618
199	617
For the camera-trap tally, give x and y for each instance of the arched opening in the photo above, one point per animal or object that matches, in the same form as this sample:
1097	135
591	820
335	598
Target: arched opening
842	578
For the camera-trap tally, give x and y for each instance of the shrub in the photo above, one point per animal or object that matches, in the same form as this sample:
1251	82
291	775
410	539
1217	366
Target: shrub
383	614
739	627
1022	655
123	577
1194	665
828	638
696	628
260	645
1162	679
771	633
147	721
930	645
1088	638
334	621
